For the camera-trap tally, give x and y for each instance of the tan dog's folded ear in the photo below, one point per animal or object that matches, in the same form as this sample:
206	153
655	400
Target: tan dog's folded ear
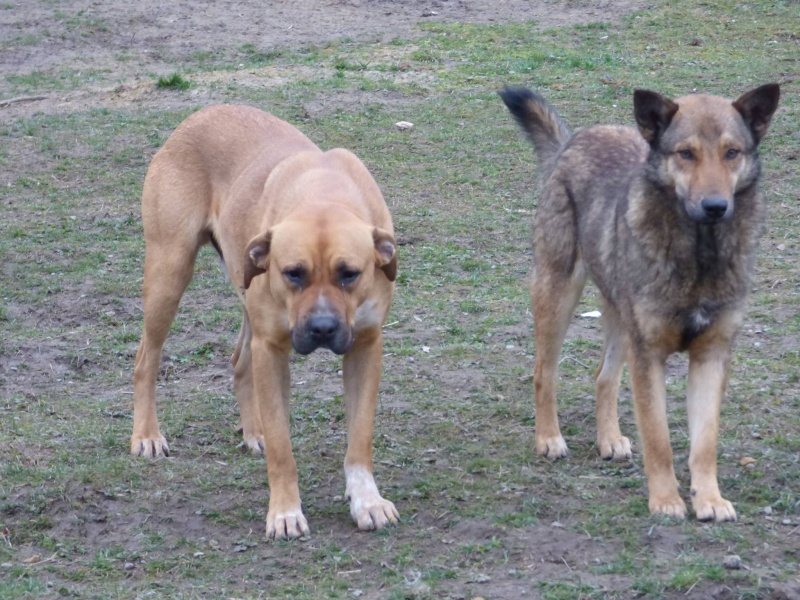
385	252
256	257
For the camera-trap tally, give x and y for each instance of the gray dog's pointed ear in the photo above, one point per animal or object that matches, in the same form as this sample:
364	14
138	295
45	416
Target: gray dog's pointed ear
653	114
385	252
256	257
757	107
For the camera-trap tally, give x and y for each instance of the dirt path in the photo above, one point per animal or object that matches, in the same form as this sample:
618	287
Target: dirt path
152	37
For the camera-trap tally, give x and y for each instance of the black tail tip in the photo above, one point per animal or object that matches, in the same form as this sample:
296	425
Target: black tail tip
515	98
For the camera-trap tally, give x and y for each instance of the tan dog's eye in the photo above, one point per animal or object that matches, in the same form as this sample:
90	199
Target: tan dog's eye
732	153
686	154
295	276
348	276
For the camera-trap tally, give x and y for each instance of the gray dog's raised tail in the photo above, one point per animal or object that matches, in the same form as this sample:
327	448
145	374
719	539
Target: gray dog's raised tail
544	126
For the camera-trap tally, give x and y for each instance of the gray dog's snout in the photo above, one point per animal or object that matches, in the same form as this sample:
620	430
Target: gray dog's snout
714	208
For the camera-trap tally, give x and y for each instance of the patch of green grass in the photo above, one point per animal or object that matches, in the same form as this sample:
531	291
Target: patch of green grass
253	56
176	81
21	586
689	576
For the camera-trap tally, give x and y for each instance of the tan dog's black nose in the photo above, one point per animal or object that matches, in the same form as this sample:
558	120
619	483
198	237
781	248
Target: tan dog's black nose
323	327
322	331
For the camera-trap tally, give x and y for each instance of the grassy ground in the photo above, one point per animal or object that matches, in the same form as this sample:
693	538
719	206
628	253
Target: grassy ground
482	515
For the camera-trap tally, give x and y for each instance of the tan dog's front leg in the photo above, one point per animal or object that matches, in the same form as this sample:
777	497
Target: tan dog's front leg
647	381
362	373
708	373
285	518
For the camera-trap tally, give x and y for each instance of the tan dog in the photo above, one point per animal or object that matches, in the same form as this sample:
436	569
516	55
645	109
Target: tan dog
307	241
665	220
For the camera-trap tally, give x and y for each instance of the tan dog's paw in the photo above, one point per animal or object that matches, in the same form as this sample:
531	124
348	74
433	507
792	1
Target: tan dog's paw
155	447
253	444
551	447
369	509
287	525
373	514
668	505
713	509
615	449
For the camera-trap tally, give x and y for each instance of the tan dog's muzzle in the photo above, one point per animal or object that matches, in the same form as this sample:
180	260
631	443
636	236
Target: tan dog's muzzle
322	330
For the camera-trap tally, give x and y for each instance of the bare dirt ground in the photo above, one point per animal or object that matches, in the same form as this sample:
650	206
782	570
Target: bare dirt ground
155	32
154	36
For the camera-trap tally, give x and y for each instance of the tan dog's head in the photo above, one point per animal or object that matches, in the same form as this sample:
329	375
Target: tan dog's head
321	270
705	147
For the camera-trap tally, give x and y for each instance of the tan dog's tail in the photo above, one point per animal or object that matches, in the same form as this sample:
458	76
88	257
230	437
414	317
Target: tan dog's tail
544	126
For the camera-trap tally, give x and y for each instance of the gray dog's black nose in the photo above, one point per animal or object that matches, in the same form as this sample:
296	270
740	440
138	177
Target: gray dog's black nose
323	327
714	208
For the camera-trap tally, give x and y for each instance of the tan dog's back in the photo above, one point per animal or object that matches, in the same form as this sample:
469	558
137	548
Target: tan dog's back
189	166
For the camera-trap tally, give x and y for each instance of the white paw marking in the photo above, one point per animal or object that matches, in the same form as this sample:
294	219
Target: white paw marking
368	508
